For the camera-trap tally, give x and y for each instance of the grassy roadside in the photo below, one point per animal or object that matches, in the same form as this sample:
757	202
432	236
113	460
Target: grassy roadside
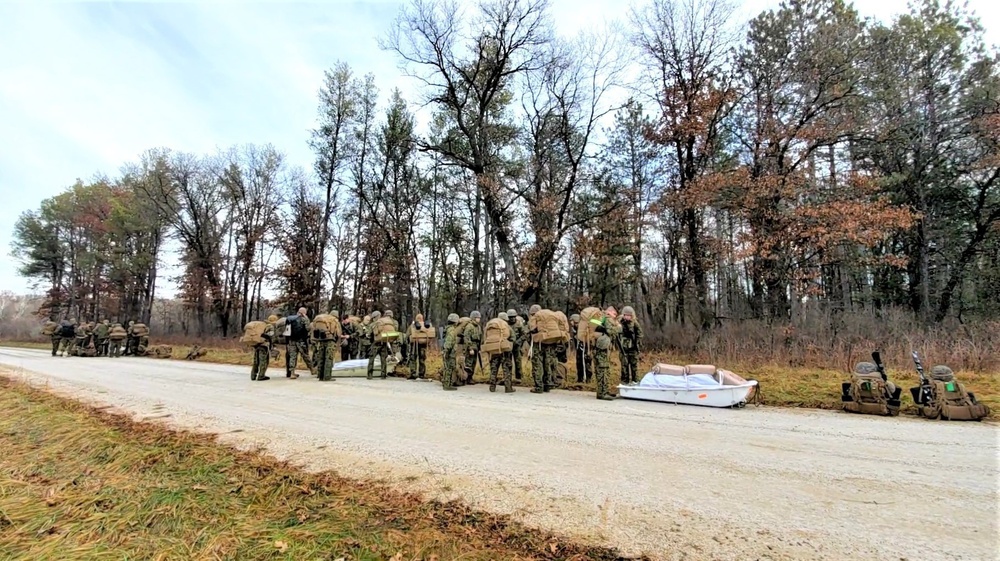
77	483
781	386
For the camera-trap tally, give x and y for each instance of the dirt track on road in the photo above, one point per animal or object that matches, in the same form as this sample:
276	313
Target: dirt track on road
674	482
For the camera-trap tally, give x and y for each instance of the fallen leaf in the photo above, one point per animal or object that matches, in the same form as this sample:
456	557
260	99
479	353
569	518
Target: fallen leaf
553	547
281	546
199	488
50	496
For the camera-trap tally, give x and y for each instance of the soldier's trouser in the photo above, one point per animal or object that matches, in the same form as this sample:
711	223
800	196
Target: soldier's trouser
418	359
132	346
543	365
630	367
143	344
293	351
67	345
364	349
102	347
515	357
351	349
55	345
448	374
470	362
324	359
261	358
602	360
382	352
116	348
498	361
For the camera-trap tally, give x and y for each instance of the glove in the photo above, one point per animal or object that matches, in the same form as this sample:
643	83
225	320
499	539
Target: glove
601	329
472	352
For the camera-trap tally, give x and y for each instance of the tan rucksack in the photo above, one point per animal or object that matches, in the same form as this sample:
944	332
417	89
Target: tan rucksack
422	336
497	338
385	330
253	333
950	401
463	322
49	329
140	330
118	333
869	395
325	327
590	318
568	334
551	328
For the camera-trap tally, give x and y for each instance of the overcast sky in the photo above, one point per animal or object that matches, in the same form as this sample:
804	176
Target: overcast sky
86	87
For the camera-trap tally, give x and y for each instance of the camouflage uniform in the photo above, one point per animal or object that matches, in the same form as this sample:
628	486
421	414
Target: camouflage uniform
262	353
631	344
324	357
584	367
602	360
379	349
67	335
448	353
364	337
472	338
349	348
543	361
298	344
520	334
83	336
503	360
51	329
417	351
101	333
116	343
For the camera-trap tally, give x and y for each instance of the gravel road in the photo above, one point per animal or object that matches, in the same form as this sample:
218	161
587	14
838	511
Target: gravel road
674	482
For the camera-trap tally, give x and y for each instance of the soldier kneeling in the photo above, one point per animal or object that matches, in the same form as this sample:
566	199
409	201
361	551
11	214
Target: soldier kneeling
945	397
868	393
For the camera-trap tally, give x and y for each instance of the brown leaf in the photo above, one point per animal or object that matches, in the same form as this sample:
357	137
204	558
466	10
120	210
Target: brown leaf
281	546
198	488
553	547
50	496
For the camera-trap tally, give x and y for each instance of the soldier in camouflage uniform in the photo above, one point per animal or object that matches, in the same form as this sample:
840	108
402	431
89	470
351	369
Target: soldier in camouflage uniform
348	349
448	353
584	371
67	334
472	339
378	349
631	344
324	357
117	337
262	352
417	350
364	337
520	330
543	360
51	329
83	337
503	360
101	333
298	343
602	360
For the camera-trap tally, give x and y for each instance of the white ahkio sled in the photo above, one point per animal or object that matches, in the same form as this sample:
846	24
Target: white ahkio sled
695	384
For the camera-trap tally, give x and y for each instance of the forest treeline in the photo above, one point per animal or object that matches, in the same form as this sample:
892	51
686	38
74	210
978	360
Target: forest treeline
808	165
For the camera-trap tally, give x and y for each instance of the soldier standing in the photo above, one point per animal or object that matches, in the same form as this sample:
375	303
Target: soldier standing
82	342
503	359
472	338
378	348
520	332
631	344
51	329
543	357
262	352
327	340
349	345
364	336
298	343
101	334
583	374
417	340
67	334
448	353
602	359
117	336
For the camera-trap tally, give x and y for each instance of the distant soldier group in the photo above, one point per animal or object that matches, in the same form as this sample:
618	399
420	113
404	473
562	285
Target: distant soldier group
548	336
97	339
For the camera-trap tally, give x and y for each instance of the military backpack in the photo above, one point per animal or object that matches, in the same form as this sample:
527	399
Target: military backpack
253	334
950	401
870	395
140	330
551	329
325	328
497	338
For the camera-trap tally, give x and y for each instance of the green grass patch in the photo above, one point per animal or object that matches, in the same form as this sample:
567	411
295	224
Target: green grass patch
77	483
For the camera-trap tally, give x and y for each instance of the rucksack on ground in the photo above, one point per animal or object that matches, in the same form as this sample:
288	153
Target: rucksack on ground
386	330
253	333
868	394
140	330
497	337
950	401
326	328
551	328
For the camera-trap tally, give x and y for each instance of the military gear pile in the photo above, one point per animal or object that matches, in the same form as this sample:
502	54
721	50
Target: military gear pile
253	334
869	394
326	327
948	399
497	338
549	328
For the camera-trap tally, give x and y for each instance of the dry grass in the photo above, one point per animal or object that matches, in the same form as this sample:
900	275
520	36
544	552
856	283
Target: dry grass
782	385
77	483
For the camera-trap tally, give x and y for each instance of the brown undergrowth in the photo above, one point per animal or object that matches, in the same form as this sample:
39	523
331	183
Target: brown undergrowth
80	483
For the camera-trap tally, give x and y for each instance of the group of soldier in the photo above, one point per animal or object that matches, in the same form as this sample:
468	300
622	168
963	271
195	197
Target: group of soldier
377	337
102	338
